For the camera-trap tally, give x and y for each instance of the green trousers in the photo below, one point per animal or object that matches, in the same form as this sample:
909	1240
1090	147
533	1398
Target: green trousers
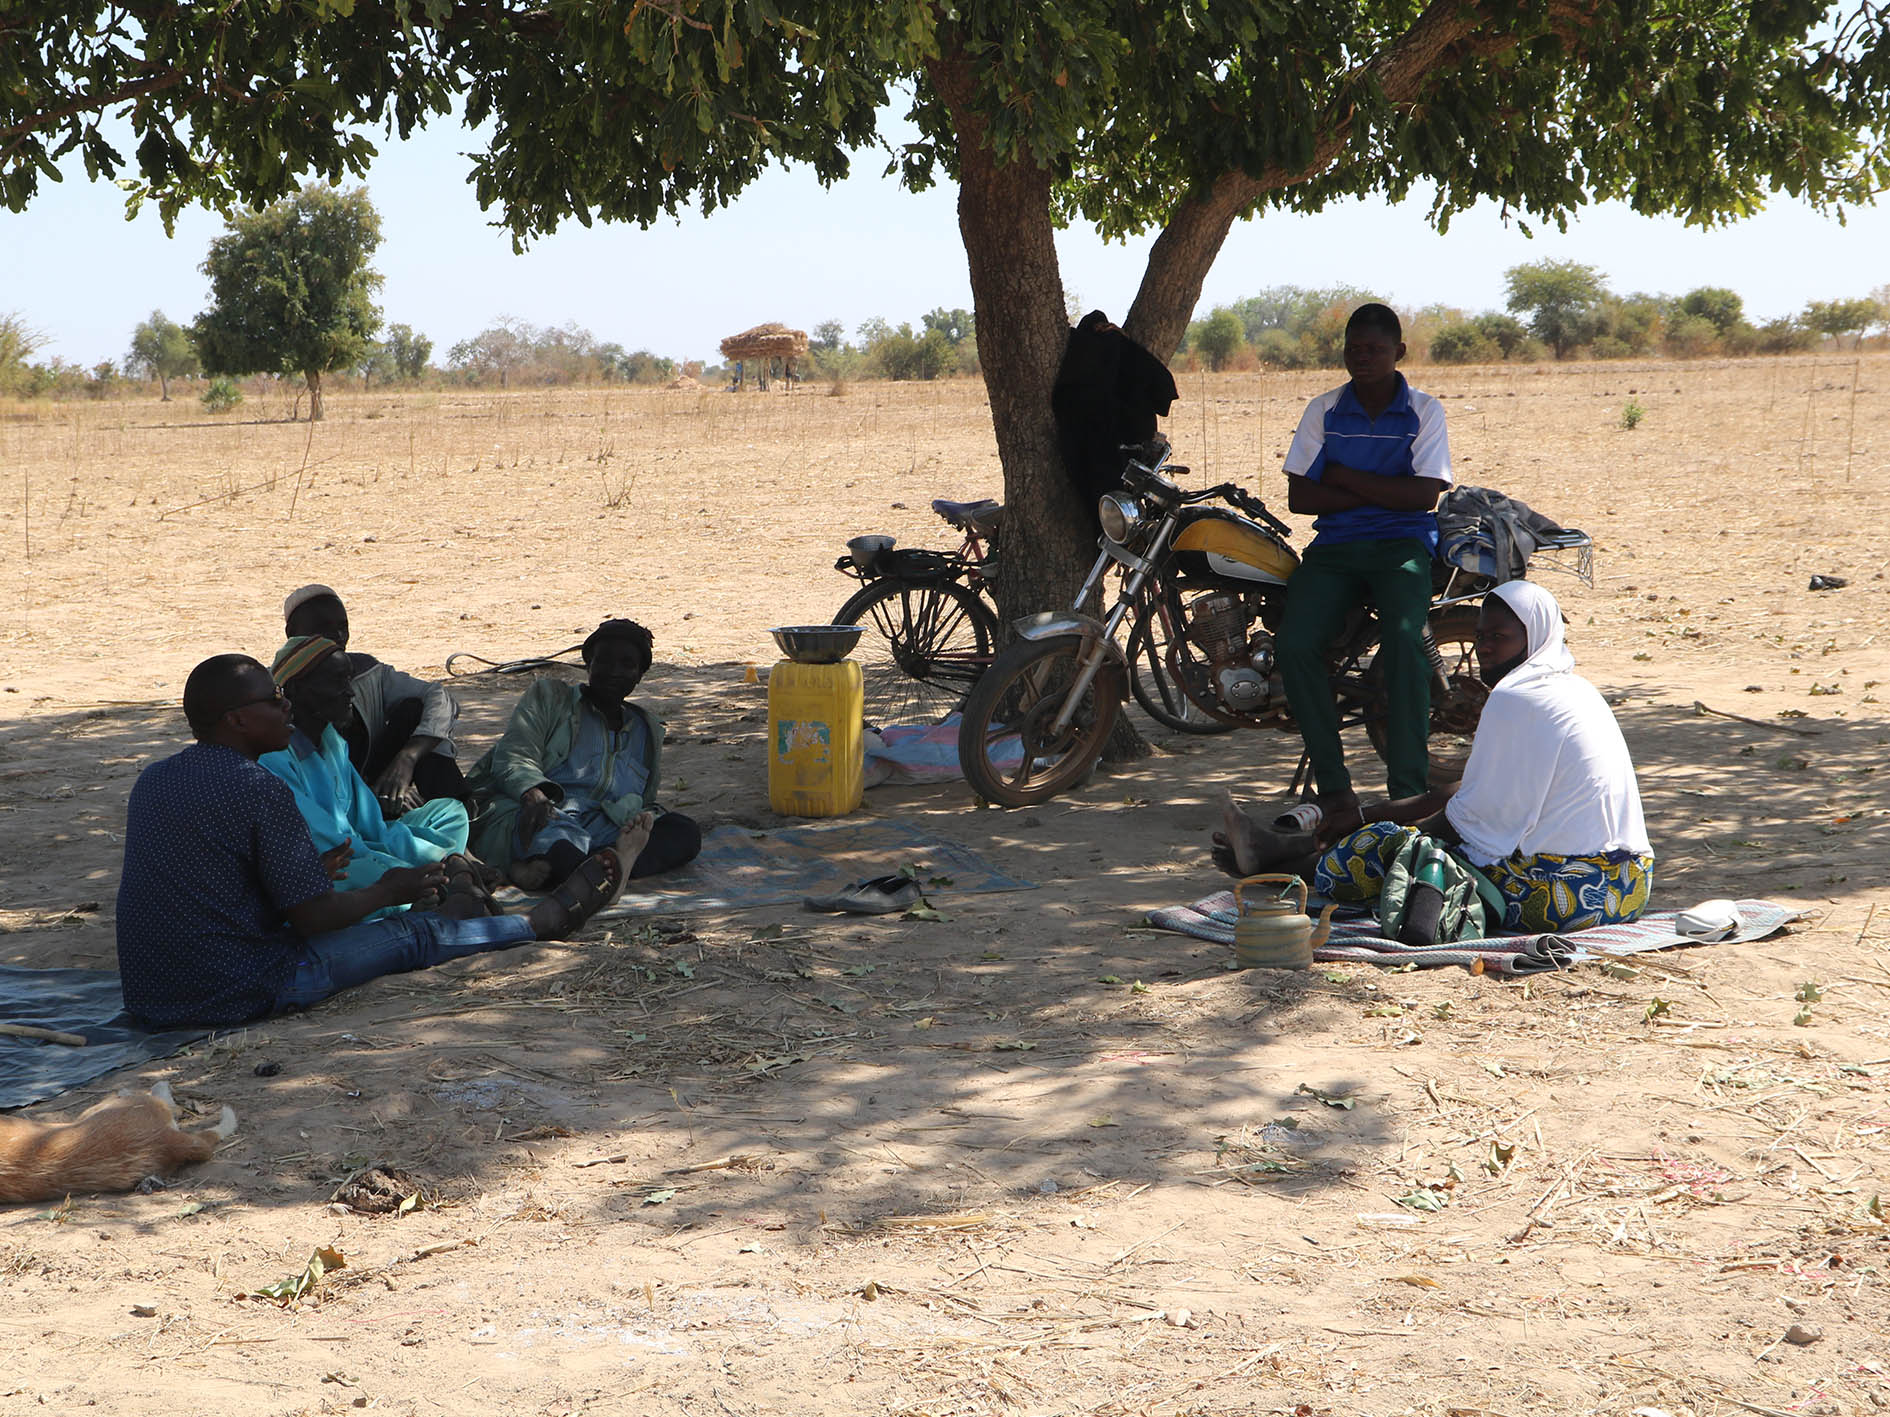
1329	582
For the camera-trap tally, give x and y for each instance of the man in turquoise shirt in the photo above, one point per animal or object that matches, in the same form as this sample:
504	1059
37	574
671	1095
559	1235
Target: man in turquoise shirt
1369	461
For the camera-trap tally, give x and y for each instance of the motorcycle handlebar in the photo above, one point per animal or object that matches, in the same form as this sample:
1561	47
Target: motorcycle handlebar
1247	502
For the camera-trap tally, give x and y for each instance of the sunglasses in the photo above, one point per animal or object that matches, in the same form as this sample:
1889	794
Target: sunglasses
278	698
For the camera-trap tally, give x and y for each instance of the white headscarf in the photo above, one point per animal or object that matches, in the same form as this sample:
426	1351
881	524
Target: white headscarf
1548	769
1542	621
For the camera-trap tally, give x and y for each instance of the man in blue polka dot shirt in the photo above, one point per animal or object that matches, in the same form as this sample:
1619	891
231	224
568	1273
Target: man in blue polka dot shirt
226	913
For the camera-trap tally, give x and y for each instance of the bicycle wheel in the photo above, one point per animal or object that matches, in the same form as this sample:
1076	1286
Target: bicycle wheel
1158	651
1009	744
924	647
1454	714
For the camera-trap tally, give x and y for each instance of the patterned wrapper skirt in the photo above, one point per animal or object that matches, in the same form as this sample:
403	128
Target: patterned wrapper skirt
1543	894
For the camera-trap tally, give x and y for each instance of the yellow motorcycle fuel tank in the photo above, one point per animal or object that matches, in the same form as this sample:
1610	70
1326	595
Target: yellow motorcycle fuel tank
1219	545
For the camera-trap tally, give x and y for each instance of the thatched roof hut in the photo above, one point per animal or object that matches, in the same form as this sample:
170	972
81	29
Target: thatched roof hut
766	342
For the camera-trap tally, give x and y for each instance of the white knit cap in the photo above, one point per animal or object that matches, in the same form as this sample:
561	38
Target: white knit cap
299	598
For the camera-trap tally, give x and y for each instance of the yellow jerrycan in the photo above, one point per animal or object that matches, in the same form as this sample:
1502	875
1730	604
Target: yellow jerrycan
1273	932
816	747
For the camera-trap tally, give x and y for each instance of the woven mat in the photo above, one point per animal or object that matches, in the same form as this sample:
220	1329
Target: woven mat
82	1001
1357	939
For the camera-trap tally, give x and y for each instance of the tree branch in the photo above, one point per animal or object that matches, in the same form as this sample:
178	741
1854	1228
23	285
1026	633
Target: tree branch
1446	34
90	103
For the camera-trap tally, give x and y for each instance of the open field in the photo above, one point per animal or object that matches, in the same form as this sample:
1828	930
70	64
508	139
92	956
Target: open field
1029	1159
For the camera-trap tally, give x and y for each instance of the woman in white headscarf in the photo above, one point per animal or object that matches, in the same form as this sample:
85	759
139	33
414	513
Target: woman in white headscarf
1548	808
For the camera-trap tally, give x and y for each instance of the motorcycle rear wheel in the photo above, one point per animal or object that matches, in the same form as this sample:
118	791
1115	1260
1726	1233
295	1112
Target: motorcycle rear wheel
1455	715
1011	752
925	645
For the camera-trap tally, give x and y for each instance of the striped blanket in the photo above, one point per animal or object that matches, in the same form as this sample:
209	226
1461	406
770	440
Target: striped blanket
1357	939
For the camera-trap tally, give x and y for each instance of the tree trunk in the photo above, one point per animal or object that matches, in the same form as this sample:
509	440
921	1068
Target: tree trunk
1017	300
1178	263
164	388
314	377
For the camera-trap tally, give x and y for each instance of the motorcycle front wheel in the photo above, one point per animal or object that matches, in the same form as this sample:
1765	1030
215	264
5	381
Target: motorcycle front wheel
1012	752
925	646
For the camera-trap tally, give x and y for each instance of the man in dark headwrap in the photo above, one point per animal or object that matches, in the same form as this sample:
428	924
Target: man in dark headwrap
576	770
399	730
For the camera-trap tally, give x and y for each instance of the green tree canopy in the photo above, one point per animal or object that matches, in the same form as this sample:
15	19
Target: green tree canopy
1562	299
1132	115
18	341
291	290
1838	318
162	349
1220	337
401	354
1723	307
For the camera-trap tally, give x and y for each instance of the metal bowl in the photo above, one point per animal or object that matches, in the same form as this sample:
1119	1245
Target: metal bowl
816	644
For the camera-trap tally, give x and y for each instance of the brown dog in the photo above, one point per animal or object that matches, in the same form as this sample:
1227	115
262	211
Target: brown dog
110	1147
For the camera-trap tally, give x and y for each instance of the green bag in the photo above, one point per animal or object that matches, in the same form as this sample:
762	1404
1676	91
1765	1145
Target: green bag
1472	907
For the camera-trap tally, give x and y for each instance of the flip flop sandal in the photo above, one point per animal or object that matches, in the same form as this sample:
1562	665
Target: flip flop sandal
883	895
597	881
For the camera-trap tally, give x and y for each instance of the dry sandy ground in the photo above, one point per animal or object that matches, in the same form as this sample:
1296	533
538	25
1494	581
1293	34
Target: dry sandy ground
1030	1159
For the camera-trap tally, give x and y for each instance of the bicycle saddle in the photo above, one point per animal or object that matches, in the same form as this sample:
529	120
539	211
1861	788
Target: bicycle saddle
981	516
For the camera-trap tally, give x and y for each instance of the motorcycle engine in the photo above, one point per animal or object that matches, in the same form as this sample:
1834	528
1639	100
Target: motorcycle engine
1219	625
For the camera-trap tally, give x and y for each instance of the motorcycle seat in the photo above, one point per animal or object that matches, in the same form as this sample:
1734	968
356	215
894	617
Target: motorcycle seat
981	516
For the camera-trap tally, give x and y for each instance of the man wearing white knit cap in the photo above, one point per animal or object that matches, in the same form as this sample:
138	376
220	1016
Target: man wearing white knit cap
401	736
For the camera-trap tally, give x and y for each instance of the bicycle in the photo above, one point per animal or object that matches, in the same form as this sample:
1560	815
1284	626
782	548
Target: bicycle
932	615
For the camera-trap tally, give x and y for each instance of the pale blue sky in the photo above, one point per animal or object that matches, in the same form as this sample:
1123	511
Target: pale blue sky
790	251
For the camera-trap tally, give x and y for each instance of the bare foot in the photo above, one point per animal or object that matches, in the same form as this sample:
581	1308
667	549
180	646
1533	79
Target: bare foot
632	837
529	874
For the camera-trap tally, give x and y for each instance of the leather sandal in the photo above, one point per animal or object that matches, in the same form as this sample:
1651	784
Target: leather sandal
463	883
596	882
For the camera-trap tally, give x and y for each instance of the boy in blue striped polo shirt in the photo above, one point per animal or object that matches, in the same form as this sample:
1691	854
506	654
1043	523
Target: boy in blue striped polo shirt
1369	461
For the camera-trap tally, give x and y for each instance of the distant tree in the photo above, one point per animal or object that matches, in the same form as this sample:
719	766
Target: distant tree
1462	342
161	348
1630	323
1509	334
1561	297
956	325
1838	318
1221	337
1712	302
408	351
495	352
1294	309
291	290
18	340
640	367
1784	335
901	354
960	330
828	336
1275	348
1690	336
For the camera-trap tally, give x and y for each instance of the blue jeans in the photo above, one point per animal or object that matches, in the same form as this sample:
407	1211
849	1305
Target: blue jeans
399	944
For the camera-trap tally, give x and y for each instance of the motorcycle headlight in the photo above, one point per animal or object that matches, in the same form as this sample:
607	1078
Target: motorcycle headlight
1121	516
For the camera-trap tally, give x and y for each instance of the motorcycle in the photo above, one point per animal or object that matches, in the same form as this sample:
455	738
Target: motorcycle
1202	591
